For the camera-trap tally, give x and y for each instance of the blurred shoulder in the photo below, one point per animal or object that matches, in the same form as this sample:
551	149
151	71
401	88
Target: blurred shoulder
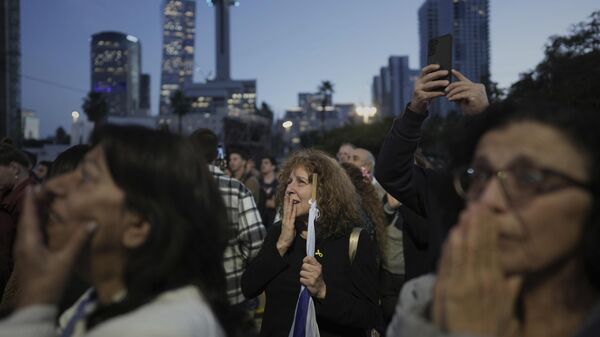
178	312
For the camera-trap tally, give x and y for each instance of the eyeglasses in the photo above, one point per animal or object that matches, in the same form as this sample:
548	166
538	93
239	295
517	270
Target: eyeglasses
520	181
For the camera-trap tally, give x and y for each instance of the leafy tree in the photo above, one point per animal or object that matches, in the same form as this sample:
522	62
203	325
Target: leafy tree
265	111
494	92
570	69
325	90
95	107
181	105
61	136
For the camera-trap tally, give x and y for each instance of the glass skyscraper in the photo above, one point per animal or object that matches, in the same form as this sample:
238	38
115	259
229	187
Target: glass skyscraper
468	21
10	70
179	31
116	65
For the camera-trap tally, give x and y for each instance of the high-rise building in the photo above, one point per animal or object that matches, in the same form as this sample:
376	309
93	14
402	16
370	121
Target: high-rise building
10	70
468	21
31	124
116	66
376	98
179	31
392	89
386	88
145	94
400	79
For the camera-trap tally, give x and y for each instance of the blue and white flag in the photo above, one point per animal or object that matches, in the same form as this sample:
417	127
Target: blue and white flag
305	317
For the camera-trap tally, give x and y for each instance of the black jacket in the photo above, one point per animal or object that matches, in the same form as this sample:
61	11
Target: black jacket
351	303
431	206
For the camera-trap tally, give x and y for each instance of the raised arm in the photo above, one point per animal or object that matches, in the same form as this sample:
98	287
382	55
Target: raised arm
395	168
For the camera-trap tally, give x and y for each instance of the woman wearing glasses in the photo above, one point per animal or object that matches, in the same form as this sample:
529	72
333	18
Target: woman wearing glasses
523	258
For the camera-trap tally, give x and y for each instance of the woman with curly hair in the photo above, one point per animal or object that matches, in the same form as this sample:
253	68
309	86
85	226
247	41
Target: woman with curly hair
344	291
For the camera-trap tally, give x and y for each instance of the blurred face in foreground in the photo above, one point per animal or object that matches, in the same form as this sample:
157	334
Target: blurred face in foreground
536	199
89	194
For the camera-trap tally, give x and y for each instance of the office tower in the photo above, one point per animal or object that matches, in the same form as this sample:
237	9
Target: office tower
468	21
10	70
179	31
115	66
31	124
376	98
392	89
145	94
400	84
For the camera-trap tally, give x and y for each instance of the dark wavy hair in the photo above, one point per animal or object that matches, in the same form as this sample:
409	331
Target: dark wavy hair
337	199
9	154
370	203
167	182
578	125
68	160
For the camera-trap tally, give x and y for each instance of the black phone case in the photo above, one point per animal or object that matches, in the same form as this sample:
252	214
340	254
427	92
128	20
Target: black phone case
439	51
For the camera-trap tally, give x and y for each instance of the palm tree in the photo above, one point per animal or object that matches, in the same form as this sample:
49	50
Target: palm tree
180	105
95	107
266	111
325	90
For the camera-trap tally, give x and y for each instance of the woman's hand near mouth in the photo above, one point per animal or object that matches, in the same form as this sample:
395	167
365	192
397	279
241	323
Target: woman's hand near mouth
288	232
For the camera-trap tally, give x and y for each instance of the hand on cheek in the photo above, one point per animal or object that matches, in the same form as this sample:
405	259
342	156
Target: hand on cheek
472	293
43	273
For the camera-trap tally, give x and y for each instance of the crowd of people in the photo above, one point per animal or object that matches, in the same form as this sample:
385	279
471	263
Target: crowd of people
148	233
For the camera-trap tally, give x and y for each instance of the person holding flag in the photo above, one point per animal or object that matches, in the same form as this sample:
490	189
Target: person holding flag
336	290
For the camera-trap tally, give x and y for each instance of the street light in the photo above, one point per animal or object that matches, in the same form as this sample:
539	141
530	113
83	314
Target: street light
75	115
366	112
287	125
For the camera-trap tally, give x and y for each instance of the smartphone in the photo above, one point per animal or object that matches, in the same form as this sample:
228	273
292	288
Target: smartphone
221	161
439	51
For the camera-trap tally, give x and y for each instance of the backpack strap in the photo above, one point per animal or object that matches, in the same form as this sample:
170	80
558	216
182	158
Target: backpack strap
354	236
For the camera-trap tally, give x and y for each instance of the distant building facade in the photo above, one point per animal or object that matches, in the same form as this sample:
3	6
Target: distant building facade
309	116
391	90
179	33
115	67
10	70
145	94
468	22
31	124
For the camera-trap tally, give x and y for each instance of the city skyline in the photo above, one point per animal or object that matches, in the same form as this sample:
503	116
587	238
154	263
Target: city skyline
289	47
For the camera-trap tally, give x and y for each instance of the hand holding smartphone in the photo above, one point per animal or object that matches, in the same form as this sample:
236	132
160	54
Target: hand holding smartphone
439	51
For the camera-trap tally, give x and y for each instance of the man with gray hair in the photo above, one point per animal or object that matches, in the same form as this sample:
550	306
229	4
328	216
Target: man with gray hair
364	160
344	153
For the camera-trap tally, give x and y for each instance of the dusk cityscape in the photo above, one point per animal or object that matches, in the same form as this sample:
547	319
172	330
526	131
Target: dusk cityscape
288	47
314	168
